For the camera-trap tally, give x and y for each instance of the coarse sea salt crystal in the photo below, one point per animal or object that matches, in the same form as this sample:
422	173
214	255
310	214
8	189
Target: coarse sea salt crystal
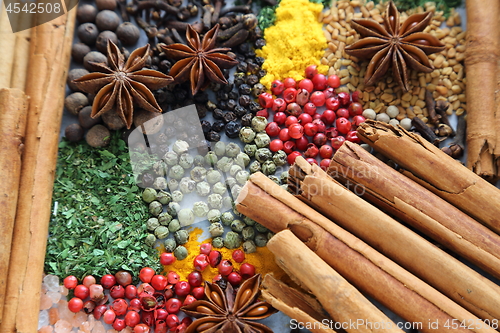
52	282
113	331
63	290
46	329
45	302
79	319
43	319
63	326
55	296
53	316
98	328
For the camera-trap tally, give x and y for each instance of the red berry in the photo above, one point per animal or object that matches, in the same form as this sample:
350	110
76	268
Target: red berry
289	83
173	305
146	274
272	129
99	311
358	120
316	116
326	151
188	300
302	96
276	145
81	291
279	104
173	277
355	96
318	98
334	81
130	291
284	136
96	293
198	292
266	100
234	278
331	132
247	270
225	267
119	324
329	92
262	113
301	143
289	95
75	304
311	151
310	129
328	117
141	328
134	305
290	159
311	70
344	98
117	291
310	108
319	139
305	118
70	282
343	113
172	320
109	316
353	137
169	291
182	288
238	256
167	258
200	262
332	103
288	147
296	131
337	142
108	281
89	306
187	321
88	281
277	87
161	314
307	85
159	282
319	81
320	125
205	248
325	163
311	160
355	109
214	258
132	318
279	117
343	125
291	120
195	279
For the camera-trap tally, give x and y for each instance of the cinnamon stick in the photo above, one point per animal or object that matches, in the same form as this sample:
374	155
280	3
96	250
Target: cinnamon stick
7	45
436	171
482	54
340	299
368	270
14	109
394	193
497	115
49	62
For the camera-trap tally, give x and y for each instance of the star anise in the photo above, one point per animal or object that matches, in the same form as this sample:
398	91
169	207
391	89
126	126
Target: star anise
121	83
224	312
199	60
394	45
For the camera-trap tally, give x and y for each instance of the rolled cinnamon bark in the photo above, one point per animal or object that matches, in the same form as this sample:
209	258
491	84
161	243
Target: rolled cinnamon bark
394	193
368	270
436	171
482	54
7	45
49	62
341	300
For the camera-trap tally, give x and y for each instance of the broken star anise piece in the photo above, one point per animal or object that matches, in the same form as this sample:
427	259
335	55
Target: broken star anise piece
199	61
394	45
121	83
224	312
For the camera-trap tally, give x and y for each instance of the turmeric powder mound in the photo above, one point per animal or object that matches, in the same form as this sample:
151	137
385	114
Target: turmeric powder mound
294	42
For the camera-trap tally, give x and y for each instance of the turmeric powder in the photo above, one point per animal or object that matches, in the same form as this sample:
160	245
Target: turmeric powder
294	42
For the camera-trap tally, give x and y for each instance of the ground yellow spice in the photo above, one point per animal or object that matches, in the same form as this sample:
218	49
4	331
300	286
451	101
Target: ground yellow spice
295	41
263	260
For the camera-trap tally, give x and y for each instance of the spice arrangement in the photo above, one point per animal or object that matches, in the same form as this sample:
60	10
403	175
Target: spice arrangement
212	157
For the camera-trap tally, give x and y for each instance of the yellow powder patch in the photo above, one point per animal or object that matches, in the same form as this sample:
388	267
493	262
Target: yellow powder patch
295	41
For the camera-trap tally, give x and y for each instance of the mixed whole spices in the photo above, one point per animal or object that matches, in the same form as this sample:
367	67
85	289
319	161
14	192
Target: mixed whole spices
316	128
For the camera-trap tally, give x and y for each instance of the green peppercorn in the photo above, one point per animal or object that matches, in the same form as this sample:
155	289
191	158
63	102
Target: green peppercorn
171	158
155	208
232	240
250	150
177	196
150	240
232	149
284	177
248	233
152	224
254	167
180	147
186	161
263	154
248	221
268	168
149	194
160	183
198	173
199	160
164	218
186	217
235	191
275	179
164	197
174	226
237	226
180	252
260	240
161	232
242	177
258	89
247	135
213	176
227	202
216	229
187	185
260	228
236	212
211	158
218	242
269	235
176	172
242	159
249	246
173	208
259	124
200	209
173	184
182	236
219	148
279	158
213	215
262	140
219	188
230	182
224	164
226	218
170	245
214	201
284	186
203	189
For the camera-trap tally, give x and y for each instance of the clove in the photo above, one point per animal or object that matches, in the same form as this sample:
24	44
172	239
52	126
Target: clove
441	107
207	16
148	4
182	26
123	10
151	30
431	107
238	9
249	22
176	37
217	9
425	131
237	38
456	148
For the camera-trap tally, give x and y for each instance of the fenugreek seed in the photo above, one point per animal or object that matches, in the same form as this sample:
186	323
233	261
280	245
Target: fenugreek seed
447	83
461	98
343	73
461	36
460	56
350	40
460	48
351	87
410	113
405	104
345	80
355	82
438	62
455	105
459	112
328	36
420	103
452	62
329	28
435	73
332	71
453	76
447	71
352	70
421	81
414	100
324	61
452	52
442	90
337	65
453	98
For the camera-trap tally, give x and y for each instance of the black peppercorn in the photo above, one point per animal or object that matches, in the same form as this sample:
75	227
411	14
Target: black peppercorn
218	114
229	116
250	54
245	89
216	86
239	111
222	105
162	139
128	33
162	150
201	97
159	95
261	73
180	94
259	61
252	79
107	20
233	129
239	79
254	107
165	65
244	48
170	132
258	89
242	67
253	68
260	43
244	100
240	57
87	33
234	94
231	104
222	284
246	120
202	110
78	51
218	126
228	87
86	13
206	126
222	95
101	42
213	136
169	97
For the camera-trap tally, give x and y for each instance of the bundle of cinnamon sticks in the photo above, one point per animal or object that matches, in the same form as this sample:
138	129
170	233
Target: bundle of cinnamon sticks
30	116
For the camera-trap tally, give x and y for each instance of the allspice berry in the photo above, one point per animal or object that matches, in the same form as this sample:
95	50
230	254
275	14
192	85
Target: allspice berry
75	102
87	33
98	136
85	120
73	75
128	33
86	13
101	43
94	56
74	132
113	120
79	51
107	20
106	4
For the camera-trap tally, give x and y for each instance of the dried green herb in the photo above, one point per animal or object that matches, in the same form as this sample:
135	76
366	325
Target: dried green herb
98	224
444	5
